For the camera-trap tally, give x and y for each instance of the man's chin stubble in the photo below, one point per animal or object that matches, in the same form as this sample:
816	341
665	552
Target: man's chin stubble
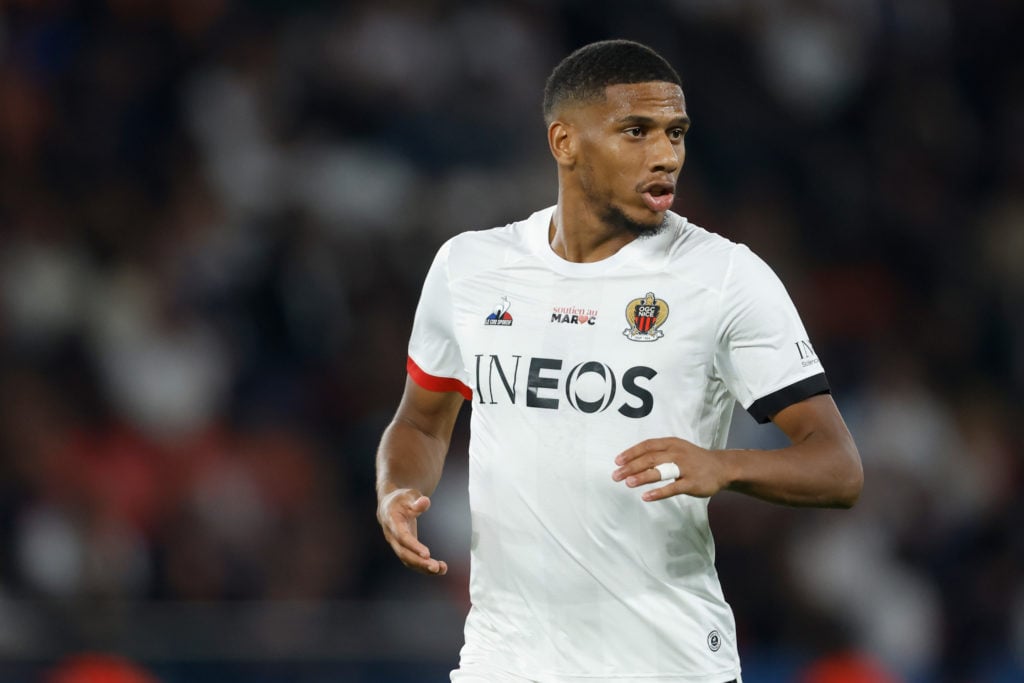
615	217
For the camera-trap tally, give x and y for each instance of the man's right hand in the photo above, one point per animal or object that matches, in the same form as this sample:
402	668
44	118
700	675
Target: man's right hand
397	513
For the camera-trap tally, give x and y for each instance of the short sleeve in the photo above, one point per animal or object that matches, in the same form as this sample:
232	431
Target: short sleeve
763	353
435	362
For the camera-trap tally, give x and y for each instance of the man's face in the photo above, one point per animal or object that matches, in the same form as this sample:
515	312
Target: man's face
630	153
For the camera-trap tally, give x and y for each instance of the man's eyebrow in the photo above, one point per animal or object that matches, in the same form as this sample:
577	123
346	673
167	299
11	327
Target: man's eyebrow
648	122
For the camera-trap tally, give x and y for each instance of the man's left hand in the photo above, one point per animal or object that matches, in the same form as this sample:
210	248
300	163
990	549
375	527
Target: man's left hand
702	472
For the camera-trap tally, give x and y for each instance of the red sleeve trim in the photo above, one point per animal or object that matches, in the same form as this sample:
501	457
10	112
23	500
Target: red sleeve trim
432	383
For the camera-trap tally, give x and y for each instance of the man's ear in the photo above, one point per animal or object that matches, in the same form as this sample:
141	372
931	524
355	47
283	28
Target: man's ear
563	141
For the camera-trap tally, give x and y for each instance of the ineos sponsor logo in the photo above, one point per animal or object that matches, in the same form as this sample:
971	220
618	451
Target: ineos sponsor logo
807	354
572	382
588	387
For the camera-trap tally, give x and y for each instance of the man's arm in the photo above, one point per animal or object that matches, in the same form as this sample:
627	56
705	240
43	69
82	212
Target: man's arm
409	463
821	468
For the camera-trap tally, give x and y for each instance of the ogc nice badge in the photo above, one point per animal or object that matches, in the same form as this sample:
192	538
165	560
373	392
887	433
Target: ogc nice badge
645	316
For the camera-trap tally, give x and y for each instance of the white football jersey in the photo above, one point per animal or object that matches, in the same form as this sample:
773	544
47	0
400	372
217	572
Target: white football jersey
573	576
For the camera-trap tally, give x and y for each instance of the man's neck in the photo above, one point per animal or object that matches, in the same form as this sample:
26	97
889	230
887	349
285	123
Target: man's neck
582	237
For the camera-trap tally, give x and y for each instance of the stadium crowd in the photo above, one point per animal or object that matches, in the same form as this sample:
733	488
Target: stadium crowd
215	217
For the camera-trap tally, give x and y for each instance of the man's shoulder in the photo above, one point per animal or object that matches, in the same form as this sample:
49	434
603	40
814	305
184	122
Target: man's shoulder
479	249
718	262
699	248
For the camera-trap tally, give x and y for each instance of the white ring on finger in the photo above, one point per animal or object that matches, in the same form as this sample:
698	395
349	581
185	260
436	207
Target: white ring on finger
668	470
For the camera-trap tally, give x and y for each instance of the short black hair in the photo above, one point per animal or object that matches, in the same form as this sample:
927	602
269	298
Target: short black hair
583	75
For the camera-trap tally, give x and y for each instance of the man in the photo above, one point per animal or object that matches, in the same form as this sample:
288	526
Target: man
603	343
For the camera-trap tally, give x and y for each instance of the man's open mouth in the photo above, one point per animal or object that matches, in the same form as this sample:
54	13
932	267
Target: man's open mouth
659	196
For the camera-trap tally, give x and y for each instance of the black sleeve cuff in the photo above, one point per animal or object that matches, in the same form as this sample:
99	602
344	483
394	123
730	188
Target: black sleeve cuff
765	408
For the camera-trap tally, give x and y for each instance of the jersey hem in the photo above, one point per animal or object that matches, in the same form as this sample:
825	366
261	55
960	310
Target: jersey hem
766	407
434	383
478	667
472	669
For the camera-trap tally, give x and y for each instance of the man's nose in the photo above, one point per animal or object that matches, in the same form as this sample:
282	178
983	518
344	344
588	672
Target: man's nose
666	156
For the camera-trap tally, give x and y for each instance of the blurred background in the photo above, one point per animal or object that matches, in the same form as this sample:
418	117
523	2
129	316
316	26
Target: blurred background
215	218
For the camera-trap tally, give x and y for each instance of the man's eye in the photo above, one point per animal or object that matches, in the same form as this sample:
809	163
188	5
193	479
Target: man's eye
677	133
634	132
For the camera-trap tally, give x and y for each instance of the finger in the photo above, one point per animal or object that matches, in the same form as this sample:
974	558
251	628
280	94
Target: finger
673	488
638	465
647	476
643	448
401	531
420	505
424	565
403	535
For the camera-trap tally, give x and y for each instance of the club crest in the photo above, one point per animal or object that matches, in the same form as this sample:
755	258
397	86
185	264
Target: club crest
645	316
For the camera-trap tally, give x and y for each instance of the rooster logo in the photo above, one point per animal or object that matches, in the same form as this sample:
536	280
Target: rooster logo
500	315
